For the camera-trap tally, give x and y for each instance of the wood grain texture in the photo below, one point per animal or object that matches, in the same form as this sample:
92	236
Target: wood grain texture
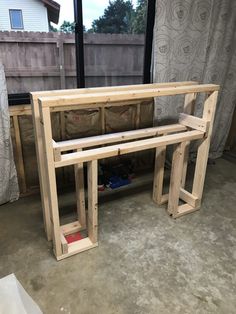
203	149
92	100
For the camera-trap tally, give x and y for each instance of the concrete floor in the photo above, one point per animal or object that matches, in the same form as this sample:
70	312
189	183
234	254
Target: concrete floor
146	262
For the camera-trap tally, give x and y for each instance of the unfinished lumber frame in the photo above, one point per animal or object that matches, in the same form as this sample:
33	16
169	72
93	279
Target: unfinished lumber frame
53	155
18	110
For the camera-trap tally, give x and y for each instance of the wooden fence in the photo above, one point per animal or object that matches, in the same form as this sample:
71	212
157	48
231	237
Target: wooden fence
46	61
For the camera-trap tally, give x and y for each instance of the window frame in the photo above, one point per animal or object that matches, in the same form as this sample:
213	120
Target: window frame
11	19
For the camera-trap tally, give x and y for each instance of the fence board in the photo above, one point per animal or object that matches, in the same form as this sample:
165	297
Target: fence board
44	61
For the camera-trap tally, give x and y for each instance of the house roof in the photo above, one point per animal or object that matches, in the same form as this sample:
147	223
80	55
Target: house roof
53	10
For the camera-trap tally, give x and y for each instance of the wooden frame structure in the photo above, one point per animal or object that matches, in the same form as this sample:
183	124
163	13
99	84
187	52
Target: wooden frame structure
52	155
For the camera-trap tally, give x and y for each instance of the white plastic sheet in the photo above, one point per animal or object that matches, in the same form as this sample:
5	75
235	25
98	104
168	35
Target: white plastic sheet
14	299
9	190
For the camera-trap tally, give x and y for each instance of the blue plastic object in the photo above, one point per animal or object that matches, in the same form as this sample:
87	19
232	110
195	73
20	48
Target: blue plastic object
116	182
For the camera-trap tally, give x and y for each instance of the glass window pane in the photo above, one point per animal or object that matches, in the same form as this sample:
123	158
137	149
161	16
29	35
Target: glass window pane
16	19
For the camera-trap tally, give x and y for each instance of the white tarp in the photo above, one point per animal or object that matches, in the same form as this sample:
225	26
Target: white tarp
14	299
9	190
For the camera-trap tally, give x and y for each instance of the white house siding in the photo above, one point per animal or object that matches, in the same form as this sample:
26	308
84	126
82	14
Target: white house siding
35	16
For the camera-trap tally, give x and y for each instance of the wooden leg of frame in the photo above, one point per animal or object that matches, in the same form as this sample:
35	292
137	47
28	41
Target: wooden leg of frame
159	175
189	104
203	149
185	163
175	178
80	198
92	201
41	167
64	244
51	177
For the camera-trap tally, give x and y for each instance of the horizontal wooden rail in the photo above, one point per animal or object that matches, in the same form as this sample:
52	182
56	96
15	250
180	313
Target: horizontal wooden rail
120	149
92	100
116	137
194	122
185	196
78	91
20	110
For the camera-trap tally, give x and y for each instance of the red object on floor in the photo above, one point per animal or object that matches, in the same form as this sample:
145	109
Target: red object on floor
73	237
101	188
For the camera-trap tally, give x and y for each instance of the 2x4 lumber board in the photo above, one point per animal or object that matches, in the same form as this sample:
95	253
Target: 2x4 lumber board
159	174
126	148
189	103
20	110
164	199
193	122
116	137
78	247
94	99
189	198
189	107
51	178
184	210
92	221
71	227
185	163
19	155
79	91
175	178
56	151
185	196
64	244
41	167
203	149
80	197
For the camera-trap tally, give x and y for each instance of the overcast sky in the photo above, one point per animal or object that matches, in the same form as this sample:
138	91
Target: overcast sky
92	9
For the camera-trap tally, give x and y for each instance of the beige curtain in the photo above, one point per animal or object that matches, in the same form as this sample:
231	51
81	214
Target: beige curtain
196	40
9	190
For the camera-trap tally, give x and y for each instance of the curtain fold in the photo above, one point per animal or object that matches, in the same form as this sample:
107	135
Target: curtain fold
196	40
9	190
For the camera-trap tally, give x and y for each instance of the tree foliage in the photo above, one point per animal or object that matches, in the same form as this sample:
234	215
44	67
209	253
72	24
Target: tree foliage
139	20
67	27
117	18
120	17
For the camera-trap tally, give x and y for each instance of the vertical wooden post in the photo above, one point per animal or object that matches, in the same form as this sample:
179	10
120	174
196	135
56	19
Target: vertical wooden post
60	46
93	200
80	198
189	103
175	178
19	154
159	174
41	166
51	177
203	149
